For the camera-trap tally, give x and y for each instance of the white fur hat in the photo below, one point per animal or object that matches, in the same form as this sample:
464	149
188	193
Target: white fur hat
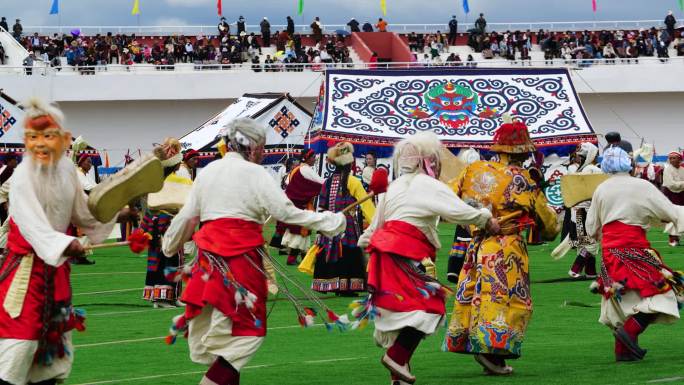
341	154
245	131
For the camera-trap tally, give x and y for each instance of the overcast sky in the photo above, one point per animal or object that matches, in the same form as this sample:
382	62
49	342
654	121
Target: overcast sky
203	12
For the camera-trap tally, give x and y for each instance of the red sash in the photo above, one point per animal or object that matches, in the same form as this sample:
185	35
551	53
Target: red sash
234	241
229	237
619	235
395	286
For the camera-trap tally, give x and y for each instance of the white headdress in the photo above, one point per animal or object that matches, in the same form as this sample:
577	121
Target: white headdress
35	108
245	132
418	153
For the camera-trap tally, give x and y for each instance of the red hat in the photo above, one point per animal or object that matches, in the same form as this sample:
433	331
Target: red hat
513	138
307	153
82	158
675	153
190	154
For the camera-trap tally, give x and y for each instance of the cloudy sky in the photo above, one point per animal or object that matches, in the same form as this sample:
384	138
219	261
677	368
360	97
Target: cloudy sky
203	12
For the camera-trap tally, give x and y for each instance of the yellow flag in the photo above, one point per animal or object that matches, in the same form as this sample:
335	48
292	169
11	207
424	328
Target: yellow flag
136	8
383	6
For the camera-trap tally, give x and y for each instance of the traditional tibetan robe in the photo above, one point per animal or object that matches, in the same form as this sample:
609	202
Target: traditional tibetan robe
340	266
36	315
403	233
227	291
493	303
633	277
303	186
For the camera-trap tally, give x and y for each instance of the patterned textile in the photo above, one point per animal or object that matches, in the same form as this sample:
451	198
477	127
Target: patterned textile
463	107
333	199
493	303
157	286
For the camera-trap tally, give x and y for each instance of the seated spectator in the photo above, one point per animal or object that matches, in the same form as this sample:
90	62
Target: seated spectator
609	51
381	25
471	62
256	64
373	62
367	27
413	42
679	45
325	57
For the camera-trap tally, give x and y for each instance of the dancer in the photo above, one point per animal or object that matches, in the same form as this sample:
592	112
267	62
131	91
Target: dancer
340	267
462	235
84	164
284	179
302	187
161	291
493	292
673	188
586	246
409	303
36	315
226	293
638	288
188	168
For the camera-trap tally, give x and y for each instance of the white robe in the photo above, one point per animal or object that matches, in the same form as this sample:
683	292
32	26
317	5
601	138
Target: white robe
421	201
234	188
673	178
87	183
636	202
43	225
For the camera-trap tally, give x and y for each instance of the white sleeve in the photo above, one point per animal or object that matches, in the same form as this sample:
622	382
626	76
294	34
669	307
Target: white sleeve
86	183
48	243
184	223
364	239
592	223
96	231
441	200
276	203
309	173
661	207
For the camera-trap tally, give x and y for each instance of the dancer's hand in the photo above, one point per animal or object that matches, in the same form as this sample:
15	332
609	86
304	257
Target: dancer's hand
75	249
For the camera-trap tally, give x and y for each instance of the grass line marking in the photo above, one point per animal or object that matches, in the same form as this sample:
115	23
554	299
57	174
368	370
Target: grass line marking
669	379
197	372
107	291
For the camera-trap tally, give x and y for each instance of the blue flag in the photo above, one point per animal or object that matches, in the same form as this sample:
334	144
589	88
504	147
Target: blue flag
466	7
55	7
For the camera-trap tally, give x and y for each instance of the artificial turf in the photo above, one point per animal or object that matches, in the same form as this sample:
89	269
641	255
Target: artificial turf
564	343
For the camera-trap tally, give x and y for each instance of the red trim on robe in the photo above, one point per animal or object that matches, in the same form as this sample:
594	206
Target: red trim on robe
395	287
29	324
233	240
633	273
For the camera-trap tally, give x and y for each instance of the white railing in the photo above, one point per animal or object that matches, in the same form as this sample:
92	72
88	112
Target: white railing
191	30
281	67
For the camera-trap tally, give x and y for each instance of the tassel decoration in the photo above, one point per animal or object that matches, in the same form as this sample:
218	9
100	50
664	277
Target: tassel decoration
139	241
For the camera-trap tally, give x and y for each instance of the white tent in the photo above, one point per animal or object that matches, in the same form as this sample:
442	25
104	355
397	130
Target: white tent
11	122
287	121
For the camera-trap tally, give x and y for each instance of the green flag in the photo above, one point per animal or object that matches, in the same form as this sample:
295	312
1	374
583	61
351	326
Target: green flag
300	9
681	5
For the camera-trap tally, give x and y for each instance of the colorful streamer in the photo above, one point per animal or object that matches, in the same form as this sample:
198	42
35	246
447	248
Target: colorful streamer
681	5
594	6
55	7
466	7
383	6
219	7
300	8
136	8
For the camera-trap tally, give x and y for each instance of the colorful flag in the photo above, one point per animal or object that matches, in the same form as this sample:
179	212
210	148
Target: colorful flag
219	6
383	6
466	7
681	5
136	8
300	8
55	7
593	5
107	159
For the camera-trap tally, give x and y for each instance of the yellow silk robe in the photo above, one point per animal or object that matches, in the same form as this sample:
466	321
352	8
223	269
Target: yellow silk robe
493	303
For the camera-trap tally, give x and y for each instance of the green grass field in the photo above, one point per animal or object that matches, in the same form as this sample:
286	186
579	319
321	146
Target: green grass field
564	344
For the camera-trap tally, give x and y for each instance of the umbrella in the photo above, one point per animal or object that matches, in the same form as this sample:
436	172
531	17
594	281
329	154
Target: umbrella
75	32
342	32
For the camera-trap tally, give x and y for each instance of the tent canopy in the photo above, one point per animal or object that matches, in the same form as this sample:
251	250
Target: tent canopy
287	122
463	106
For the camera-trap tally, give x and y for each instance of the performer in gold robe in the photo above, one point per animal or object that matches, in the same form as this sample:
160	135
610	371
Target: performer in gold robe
493	303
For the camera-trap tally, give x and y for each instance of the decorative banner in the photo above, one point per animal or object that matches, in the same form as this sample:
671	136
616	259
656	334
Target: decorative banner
466	7
136	8
11	122
55	7
594	7
383	7
463	107
300	8
219	7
